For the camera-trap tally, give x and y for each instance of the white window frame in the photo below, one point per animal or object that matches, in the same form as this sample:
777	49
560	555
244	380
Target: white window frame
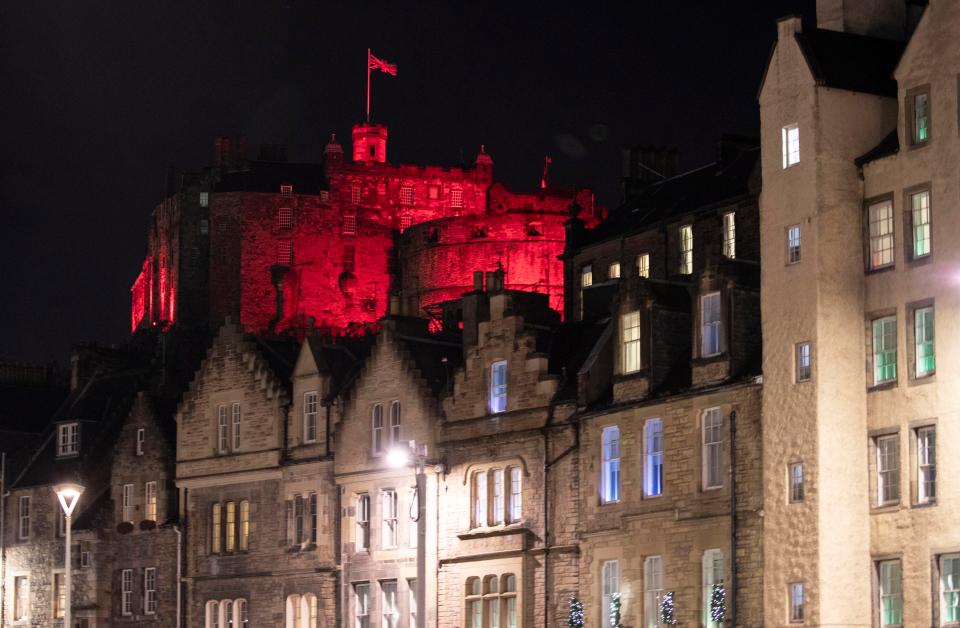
713	570
926	464
795	490
888	469
794	244
790	142
609	586
890	590
686	249
949	587
361	599
924	340
884	341
68	439
515	507
150	501
880	232
653	458
480	511
141	438
310	417
711	325
803	360
712	431
796	602
223	429
126	592
389	607
237	414
630	342
498	387
643	265
363	521
23	518
610	465
730	235
150	590
127	502
389	520
652	590
920	240
498	497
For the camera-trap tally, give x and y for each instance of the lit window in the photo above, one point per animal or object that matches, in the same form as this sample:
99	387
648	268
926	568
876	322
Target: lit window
653	458
324	195
126	592
150	501
127	503
23	518
730	235
361	594
391	611
394	423
686	250
803	357
68	439
286	190
790	138
21	598
643	265
406	195
498	387
377	420
921	118
923	341
480	499
204	199
630	339
515	494
236	426
920	222
713	569
888	470
586	276
610	589
950	589
796	482
285	219
881	234
216	529
652	590
141	438
793	244
150	590
244	525
388	531
926	465
456	198
610	467
285	253
891	593
712	448
795	592
310	417
710	324
223	430
355	193
60	595
230	527
363	522
498	497
613	272
884	349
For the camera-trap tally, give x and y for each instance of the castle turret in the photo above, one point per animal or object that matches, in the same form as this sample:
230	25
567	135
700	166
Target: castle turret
333	153
370	142
484	164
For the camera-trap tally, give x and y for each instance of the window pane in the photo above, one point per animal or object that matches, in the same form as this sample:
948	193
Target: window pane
710	324
630	334
686	250
891	597
950	587
923	339
920	214
498	387
881	234
888	469
653	458
643	265
793	244
610	473
921	118
712	448
515	494
729	235
803	362
926	465
884	349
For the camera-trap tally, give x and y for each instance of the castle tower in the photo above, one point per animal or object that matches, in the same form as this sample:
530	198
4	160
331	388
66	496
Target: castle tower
333	153
370	142
484	164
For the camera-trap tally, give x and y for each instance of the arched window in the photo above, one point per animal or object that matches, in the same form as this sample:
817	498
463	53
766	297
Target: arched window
240	612
480	498
474	603
308	611
509	596
293	611
377	421
394	422
491	601
213	615
226	609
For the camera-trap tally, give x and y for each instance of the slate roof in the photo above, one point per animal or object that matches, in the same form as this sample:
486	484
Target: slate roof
890	145
267	176
342	359
853	62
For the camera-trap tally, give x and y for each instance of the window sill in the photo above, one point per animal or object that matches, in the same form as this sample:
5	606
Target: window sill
920	380
885	508
888	385
928	504
880	269
487	532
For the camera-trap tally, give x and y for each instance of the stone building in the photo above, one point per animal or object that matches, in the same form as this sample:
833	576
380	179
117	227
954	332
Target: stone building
859	140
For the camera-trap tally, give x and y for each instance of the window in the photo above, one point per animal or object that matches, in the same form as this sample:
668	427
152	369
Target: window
686	250
891	593
920	129
244	525
412	607
150	590
310	417
204	226
456	198
150	501
294	612
433	192
230	527
298	519
926	465
515	495
286	190
796	482
223	434
68	439
361	593
355	193
479	499
920	223
349	222
373	151
950	589
349	257
128	502
304	518
141	438
23	518
394	423
204	199
236	426
630	339
653	458
324	195
710	324
302	611
363	522
803	357
491	600
796	602
610	587
285	219
613	271
790	138
406	195
652	590
391	612
474	603
586	276
923	341
643	265
21	598
713	569
285	253
405	221
885	349
881	234
377	419
498	497
510	597
479	231
730	235
888	470
213	615
86	556
388	531
59	595
126	592
498	387
610	467
793	244
712	448
216	529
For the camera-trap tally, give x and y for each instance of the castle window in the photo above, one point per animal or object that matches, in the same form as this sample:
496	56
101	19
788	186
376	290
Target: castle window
150	590
949	589
377	421
474	598
891	593
888	469
127	503
610	465
793	244
23	518
285	254
643	265
363	522
712	449
349	222
653	458
790	140
456	198
795	473
710	325
730	235
126	592
286	190
713	569
310	417
498	387
920	223
803	361
388	530
919	111
405	221
141	438
885	349
68	439
652	589
516	496
433	192
881	234
356	192
479	231
498	497
686	250
630	341
285	219
361	594
926	439
610	589
613	271
236	427
373	151
150	501
406	195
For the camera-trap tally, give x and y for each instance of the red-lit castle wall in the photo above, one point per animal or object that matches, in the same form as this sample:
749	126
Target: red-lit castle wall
153	294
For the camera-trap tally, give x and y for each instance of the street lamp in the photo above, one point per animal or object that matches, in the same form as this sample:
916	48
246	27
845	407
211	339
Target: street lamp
410	456
69	496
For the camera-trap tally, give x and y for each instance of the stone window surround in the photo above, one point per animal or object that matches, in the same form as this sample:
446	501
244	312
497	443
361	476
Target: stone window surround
868	268
914	463
480	569
241	527
873	468
505	464
869	318
936	563
226	400
875	561
908	108
908	193
911	308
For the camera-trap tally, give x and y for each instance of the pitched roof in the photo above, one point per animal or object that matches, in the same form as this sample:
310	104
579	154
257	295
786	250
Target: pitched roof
853	62
341	360
889	145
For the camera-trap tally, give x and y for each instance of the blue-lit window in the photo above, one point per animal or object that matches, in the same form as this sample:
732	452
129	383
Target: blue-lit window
498	387
653	458
610	467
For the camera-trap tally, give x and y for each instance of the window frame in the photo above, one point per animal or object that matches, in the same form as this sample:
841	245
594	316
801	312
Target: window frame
652	589
395	423
796	483
912	119
888	469
942	591
609	586
23	518
879	328
911	211
926	464
714	325
515	496
389	606
223	429
216	528
880	242
610	465
310	407
236	414
796	605
613	270
150	590
361	604
21	598
920	352
711	575
712	450
68	439
126	504
791	157
794	247
803	362
497	403
362	520
653	458
685	249
631	347
150	506
729	224
377	429
480	488
643	265
126	592
140	440
884	569
389	519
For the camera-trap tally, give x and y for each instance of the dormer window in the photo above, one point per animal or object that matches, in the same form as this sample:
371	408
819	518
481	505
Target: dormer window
498	387
630	341
710	324
68	439
918	104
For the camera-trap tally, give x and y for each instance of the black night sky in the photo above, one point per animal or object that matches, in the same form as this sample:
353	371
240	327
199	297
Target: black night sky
98	97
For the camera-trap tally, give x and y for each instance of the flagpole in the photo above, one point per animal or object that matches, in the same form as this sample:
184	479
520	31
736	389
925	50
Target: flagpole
368	85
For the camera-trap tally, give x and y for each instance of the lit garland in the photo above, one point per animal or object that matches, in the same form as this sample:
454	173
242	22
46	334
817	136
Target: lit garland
718	603
575	617
615	611
666	609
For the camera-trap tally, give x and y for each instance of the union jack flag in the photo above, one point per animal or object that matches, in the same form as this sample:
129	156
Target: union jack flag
379	64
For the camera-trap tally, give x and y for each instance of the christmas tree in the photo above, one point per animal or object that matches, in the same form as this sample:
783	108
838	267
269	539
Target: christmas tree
615	611
575	617
666	609
718	603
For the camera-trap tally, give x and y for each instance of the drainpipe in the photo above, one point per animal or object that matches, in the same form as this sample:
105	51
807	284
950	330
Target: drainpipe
176	529
3	539
733	518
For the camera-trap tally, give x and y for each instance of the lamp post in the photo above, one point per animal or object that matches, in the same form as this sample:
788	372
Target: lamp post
417	459
69	496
